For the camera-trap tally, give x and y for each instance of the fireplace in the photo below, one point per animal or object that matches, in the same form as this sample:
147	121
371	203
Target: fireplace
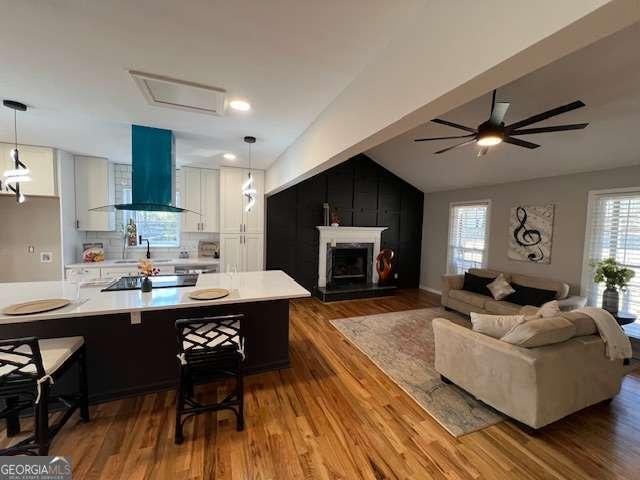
349	264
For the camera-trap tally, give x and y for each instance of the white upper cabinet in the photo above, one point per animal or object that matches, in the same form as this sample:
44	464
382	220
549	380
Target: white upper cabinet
200	193
94	188
39	161
190	199
233	217
210	200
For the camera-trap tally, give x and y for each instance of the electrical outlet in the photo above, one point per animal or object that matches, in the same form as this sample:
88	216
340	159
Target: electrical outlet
136	317
46	257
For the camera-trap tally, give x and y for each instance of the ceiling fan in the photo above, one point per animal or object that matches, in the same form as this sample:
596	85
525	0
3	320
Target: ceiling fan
494	131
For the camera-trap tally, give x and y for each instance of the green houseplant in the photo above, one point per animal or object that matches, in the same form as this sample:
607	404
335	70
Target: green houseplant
616	277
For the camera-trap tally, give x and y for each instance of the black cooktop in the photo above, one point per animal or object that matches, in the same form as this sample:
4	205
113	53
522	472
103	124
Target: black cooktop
159	281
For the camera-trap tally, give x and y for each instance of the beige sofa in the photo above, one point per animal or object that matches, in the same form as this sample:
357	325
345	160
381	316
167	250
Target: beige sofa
533	385
454	298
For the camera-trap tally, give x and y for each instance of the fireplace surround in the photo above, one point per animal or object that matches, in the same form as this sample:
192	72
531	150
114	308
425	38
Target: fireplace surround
349	264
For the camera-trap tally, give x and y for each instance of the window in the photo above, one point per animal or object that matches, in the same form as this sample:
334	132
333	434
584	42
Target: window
613	230
468	236
161	228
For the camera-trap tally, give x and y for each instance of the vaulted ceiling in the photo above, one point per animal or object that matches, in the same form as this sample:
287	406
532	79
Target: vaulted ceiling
69	60
605	75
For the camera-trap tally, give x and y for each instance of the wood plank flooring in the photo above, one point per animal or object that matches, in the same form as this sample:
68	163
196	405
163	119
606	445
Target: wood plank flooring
334	415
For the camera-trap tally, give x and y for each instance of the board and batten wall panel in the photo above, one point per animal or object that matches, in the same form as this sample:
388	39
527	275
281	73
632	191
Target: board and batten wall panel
364	194
569	194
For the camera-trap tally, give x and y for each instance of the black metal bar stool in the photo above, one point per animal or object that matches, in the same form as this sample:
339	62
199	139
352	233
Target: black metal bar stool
210	348
27	368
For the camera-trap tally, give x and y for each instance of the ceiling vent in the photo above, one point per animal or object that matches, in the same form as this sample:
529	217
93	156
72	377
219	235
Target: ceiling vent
179	94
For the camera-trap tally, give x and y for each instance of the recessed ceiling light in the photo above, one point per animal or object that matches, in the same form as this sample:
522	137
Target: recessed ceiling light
229	156
240	105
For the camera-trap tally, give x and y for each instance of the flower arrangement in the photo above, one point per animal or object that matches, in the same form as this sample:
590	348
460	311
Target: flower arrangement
612	274
147	269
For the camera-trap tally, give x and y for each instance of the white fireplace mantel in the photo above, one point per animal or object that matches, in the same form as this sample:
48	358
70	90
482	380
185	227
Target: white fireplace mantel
334	235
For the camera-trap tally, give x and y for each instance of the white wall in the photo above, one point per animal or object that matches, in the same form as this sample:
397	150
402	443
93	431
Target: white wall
453	53
569	194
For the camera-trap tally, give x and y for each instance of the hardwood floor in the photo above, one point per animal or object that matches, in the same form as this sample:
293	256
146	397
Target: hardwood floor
334	415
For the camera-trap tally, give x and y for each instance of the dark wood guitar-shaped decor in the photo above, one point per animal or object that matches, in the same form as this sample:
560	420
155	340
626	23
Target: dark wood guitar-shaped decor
384	265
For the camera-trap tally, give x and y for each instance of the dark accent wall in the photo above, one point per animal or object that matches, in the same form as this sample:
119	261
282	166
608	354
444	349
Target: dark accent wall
365	195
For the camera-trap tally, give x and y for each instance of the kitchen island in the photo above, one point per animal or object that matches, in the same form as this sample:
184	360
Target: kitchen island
130	335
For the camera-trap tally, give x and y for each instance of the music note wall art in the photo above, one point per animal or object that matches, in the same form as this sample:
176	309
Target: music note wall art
530	233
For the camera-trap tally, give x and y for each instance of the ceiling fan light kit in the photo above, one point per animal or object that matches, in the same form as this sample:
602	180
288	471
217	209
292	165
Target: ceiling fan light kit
494	131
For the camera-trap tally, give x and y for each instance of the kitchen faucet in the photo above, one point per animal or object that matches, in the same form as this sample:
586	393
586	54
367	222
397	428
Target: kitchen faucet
145	240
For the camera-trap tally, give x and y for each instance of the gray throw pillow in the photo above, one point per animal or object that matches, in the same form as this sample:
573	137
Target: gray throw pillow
540	331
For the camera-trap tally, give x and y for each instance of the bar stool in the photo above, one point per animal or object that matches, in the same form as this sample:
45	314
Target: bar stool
210	348
27	368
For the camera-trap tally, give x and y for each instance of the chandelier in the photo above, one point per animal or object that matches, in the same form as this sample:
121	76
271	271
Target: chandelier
19	172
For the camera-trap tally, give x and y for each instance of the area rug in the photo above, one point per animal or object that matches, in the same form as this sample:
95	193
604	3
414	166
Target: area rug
401	344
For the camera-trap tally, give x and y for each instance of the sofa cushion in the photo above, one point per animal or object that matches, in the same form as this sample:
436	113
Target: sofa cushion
561	288
540	331
500	288
583	323
495	326
501	307
471	298
476	284
524	295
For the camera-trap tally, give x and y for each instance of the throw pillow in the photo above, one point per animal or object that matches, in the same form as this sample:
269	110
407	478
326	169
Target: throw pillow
494	325
549	309
500	288
539	332
477	284
530	296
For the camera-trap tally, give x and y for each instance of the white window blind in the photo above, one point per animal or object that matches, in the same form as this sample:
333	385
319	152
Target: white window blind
613	231
468	236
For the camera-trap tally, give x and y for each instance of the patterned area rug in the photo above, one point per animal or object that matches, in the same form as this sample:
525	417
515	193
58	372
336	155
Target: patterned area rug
401	344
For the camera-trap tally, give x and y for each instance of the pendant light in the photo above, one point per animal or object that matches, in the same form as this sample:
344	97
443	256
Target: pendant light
248	187
19	173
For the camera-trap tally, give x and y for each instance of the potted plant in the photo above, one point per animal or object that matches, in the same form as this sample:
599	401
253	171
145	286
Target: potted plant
616	277
147	269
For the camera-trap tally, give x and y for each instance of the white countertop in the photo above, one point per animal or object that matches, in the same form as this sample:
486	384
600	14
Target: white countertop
245	287
173	262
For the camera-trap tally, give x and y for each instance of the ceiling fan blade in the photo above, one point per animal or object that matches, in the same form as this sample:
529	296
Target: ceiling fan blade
520	143
548	114
455	146
443	138
556	128
455	125
483	151
498	113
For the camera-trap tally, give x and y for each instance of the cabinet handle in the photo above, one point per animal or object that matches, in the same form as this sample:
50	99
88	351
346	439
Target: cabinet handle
77	223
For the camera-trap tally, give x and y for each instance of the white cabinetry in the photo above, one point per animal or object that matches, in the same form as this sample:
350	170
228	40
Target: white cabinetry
200	193
242	251
233	217
241	231
94	188
39	161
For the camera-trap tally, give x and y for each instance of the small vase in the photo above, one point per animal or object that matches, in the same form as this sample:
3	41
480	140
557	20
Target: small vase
610	300
146	285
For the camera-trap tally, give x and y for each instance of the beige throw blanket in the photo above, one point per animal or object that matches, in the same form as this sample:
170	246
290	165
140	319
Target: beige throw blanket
616	342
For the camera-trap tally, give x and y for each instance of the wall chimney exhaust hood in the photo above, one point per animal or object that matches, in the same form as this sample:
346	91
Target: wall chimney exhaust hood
153	172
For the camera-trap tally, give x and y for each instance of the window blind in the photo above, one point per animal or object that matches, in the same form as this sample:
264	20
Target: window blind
468	237
614	232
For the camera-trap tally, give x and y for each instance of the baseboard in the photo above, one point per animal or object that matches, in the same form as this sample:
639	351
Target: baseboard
431	290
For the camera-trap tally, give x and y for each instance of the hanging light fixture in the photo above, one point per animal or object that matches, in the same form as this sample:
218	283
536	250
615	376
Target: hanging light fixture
248	187
19	173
